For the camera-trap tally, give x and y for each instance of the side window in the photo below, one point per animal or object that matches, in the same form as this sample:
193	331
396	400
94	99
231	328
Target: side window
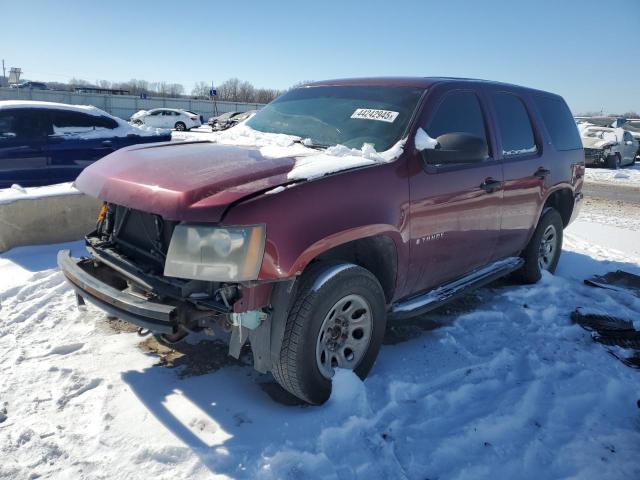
156	113
66	122
514	125
559	122
8	127
459	112
627	136
25	124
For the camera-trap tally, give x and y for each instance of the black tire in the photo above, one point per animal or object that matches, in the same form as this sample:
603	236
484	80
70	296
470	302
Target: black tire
180	126
613	161
297	369
531	271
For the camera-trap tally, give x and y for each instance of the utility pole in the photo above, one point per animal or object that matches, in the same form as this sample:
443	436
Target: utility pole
4	72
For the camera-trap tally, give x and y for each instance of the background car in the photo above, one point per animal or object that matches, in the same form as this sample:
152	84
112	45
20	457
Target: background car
229	119
42	143
31	85
181	120
607	146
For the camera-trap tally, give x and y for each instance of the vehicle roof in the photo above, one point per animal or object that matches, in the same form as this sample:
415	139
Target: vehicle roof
418	82
89	109
179	110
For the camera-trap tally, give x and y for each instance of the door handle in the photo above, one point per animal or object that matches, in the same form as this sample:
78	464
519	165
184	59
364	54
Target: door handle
542	173
490	185
107	143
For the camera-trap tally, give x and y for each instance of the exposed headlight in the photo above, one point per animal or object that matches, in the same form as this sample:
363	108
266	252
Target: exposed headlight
219	254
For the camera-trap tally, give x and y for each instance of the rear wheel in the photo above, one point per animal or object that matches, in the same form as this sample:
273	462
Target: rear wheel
180	126
337	320
544	248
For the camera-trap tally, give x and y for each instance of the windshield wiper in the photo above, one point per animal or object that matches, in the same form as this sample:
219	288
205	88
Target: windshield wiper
308	143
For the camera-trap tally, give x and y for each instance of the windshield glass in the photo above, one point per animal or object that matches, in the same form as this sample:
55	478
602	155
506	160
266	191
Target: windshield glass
350	116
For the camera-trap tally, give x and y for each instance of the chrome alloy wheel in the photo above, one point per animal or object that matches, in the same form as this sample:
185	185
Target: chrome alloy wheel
344	336
548	247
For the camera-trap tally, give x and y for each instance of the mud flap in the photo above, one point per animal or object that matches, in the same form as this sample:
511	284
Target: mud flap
266	340
620	281
611	332
239	336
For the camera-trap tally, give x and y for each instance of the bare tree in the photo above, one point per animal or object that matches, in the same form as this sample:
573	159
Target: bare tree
200	89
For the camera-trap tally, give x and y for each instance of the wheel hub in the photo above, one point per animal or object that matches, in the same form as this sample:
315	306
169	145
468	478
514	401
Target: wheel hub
548	247
344	335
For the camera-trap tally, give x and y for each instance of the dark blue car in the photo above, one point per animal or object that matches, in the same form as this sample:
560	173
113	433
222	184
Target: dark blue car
44	143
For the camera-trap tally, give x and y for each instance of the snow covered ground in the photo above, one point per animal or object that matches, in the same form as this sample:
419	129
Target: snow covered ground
497	385
629	175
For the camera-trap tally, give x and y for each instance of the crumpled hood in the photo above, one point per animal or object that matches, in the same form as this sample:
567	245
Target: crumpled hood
188	181
595	142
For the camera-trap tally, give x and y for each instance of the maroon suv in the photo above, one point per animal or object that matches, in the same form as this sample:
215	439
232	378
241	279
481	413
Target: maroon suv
350	202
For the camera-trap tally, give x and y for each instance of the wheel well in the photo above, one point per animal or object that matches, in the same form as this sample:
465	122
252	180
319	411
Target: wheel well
377	254
562	201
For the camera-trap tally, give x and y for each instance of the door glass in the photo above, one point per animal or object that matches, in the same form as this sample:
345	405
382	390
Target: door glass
25	124
459	112
69	123
514	125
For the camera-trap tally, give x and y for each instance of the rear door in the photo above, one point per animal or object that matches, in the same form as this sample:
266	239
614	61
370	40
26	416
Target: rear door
77	140
455	217
526	170
23	157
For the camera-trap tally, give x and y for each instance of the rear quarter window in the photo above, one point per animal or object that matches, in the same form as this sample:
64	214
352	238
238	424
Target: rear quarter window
559	122
70	122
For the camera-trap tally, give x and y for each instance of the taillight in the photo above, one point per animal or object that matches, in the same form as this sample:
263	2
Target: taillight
193	118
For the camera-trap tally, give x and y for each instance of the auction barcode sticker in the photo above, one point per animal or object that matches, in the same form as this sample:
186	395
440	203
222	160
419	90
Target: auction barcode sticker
373	114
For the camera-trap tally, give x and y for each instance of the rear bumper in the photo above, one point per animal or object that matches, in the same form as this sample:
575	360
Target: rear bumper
157	317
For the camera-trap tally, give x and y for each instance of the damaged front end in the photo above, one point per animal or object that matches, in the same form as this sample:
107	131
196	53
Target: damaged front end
125	275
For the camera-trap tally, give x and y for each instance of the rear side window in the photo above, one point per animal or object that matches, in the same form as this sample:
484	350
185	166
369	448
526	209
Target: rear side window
69	122
459	112
514	125
559	121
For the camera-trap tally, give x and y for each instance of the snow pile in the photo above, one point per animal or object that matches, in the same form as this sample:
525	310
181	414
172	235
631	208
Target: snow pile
424	141
16	192
339	157
310	163
504	388
629	176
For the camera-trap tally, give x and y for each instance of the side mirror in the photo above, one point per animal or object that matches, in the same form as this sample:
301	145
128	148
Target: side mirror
628	142
454	148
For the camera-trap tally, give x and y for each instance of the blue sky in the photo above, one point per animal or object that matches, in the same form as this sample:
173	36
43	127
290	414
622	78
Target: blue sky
585	50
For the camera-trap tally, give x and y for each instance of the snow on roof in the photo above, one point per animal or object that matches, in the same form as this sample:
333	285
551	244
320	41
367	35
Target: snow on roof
90	109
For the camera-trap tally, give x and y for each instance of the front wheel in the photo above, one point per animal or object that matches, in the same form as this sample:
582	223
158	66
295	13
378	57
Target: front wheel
337	320
544	248
613	161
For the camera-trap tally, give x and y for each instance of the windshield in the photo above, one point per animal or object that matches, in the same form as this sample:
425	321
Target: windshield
350	116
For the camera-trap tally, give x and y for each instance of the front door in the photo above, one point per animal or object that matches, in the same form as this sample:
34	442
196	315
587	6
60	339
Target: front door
455	208
23	157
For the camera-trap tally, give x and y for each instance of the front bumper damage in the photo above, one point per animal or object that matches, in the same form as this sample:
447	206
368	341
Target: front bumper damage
163	308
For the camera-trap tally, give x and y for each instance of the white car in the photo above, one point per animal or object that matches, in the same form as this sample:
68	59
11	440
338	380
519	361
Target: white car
608	146
167	118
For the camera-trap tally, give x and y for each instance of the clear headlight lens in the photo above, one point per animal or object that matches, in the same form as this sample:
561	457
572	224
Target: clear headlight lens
219	254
